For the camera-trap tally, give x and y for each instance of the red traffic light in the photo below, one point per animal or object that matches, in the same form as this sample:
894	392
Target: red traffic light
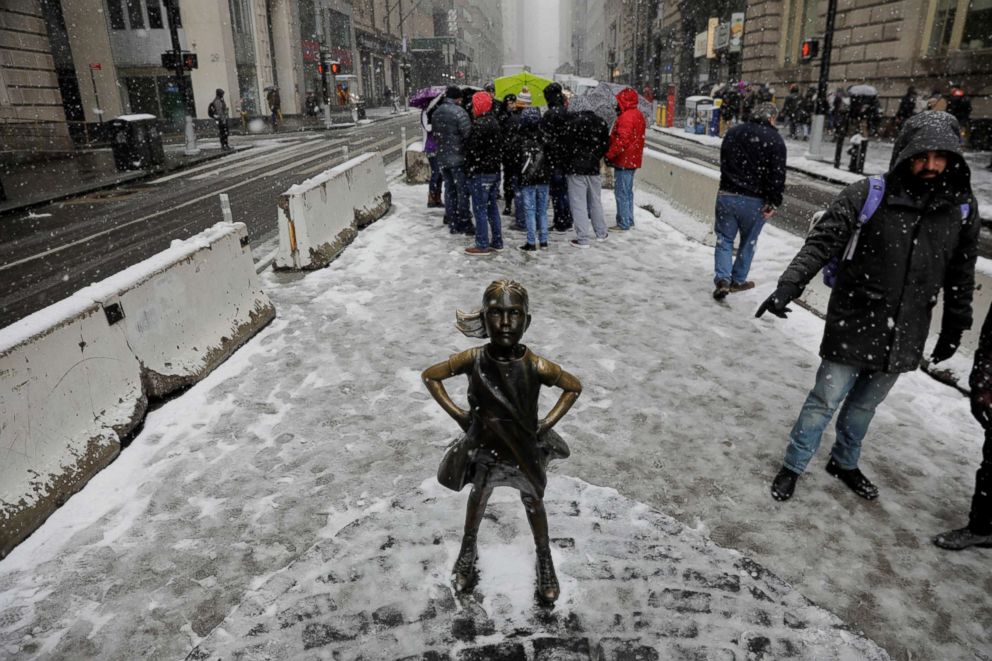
809	50
335	68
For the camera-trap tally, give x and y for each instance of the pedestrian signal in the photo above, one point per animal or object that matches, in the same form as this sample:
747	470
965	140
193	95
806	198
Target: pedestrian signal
809	50
335	68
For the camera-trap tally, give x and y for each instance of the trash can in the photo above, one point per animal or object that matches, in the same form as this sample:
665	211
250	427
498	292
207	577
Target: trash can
691	105
137	142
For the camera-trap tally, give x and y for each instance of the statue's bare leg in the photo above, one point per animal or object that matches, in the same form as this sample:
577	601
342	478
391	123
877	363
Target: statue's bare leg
463	573
547	581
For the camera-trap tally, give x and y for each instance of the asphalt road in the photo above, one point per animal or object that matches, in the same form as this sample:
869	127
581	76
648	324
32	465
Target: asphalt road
56	250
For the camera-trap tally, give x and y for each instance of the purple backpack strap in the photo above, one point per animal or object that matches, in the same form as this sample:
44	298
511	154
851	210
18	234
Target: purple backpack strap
965	211
876	192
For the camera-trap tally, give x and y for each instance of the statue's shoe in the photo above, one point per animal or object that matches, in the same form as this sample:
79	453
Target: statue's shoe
463	574
547	582
962	538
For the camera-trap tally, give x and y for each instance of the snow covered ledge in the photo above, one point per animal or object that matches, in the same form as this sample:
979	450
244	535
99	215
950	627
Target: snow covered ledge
75	377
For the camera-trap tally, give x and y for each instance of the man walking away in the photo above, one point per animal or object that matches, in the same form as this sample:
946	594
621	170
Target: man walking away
588	138
483	160
790	110
554	124
752	180
907	107
978	532
275	106
898	240
624	154
452	127
218	112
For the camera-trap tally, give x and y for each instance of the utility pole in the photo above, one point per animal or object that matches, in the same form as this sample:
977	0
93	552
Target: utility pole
816	134
172	11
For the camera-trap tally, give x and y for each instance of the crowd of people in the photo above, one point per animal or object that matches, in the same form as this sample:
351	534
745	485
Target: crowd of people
473	142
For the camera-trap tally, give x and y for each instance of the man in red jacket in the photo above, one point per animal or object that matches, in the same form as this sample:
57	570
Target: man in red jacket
624	154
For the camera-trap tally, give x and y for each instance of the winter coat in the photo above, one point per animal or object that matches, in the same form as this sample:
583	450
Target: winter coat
752	162
914	245
790	106
218	110
452	127
587	139
907	106
981	371
510	124
627	138
960	107
529	150
430	143
554	124
483	149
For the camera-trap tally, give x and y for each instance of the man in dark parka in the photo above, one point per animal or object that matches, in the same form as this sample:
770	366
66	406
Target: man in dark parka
922	239
978	532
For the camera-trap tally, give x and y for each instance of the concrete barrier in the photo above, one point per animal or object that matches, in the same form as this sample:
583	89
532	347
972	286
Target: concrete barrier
319	217
688	186
75	378
418	169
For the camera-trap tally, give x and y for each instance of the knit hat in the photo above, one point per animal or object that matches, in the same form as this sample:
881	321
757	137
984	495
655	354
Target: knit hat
453	92
765	112
524	98
482	103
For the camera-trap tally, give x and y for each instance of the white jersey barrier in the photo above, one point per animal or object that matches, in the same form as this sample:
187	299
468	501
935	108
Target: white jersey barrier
418	168
75	377
689	186
321	216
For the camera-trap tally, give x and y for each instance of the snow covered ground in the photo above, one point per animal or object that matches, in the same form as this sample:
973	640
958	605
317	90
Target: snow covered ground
876	162
317	438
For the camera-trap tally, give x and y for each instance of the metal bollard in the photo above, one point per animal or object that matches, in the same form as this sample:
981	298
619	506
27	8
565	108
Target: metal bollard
403	147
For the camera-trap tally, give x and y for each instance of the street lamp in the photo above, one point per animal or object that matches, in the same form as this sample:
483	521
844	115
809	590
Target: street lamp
816	132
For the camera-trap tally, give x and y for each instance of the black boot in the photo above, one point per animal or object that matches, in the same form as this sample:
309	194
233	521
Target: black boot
854	479
962	538
547	581
784	484
463	574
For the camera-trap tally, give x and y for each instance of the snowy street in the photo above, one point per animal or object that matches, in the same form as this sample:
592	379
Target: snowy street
286	506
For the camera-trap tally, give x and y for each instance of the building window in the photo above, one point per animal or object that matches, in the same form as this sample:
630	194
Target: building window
800	20
116	15
338	30
958	25
134	14
155	15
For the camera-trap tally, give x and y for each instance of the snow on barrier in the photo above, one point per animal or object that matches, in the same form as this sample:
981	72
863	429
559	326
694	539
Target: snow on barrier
321	216
688	185
75	378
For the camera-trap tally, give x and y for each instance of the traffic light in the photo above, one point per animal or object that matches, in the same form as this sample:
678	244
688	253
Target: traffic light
188	60
809	50
335	68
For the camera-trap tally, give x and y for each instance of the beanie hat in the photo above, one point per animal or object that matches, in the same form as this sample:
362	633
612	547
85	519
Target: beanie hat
524	98
765	112
453	92
482	103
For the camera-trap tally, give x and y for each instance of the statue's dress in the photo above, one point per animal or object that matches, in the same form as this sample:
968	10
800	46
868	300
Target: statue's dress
501	446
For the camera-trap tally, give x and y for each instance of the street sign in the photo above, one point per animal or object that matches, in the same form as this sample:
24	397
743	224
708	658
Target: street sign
96	66
736	32
189	60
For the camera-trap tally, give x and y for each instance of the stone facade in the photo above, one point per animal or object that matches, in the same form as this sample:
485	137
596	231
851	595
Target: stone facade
32	119
882	43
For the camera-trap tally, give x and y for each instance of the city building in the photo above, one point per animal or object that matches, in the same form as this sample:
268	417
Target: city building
32	117
588	25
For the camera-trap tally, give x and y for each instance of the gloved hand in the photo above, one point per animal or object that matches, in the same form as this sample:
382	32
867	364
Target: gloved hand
778	302
981	407
947	344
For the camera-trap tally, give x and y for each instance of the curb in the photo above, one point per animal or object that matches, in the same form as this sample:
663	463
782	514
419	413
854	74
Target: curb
124	179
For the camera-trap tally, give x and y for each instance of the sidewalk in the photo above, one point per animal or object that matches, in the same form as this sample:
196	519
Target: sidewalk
877	162
42	182
286	505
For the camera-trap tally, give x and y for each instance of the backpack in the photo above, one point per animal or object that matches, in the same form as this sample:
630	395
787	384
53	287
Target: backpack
876	193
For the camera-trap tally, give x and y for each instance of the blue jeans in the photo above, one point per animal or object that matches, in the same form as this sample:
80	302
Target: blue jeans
736	214
434	185
456	199
485	188
559	200
623	191
535	203
860	390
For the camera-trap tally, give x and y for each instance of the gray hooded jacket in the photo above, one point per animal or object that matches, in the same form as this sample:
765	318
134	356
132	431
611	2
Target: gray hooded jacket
451	126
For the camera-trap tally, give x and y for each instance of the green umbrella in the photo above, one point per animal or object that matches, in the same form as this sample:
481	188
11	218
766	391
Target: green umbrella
515	83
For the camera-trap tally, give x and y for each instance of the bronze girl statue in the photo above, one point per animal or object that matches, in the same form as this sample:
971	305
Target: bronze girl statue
504	444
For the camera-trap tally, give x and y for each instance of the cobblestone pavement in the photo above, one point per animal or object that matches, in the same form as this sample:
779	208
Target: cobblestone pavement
636	585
